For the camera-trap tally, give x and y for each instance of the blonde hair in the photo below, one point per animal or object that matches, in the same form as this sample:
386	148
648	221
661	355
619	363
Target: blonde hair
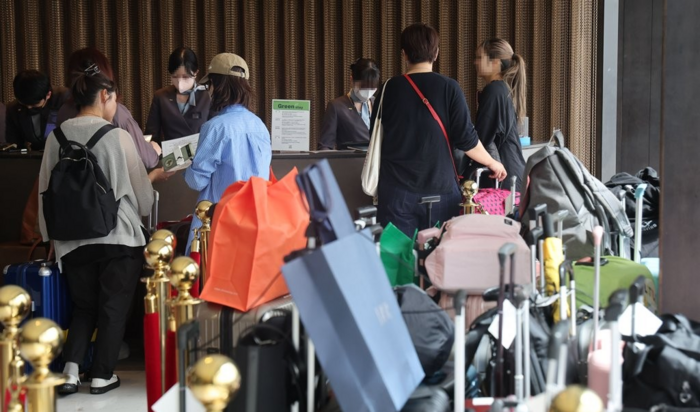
512	71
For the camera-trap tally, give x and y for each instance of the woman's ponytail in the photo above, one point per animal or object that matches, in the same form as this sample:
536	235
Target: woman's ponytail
516	77
512	70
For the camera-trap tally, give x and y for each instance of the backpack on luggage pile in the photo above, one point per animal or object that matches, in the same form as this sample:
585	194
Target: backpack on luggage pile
557	178
651	205
667	369
79	202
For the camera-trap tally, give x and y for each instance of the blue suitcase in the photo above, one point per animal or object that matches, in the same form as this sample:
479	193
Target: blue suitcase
48	289
46	286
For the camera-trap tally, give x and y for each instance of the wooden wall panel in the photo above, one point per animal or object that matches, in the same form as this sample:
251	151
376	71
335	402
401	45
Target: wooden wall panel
302	49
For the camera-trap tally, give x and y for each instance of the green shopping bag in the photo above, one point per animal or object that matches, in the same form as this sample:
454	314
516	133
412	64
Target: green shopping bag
396	251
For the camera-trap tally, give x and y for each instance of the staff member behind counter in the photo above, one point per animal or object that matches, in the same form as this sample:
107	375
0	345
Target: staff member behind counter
346	122
181	108
32	116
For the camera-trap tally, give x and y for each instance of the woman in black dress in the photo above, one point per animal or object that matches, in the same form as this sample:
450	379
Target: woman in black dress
501	105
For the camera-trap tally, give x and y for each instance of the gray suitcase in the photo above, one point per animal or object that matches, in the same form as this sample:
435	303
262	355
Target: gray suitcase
223	326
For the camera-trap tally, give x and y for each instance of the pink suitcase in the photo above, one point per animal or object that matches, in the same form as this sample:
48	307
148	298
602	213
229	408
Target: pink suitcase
465	257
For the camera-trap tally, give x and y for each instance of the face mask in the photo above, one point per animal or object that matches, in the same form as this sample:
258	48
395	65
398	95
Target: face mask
37	109
183	85
364	94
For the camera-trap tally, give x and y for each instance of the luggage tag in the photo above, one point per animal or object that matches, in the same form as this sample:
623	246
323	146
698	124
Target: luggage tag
645	323
171	401
508	325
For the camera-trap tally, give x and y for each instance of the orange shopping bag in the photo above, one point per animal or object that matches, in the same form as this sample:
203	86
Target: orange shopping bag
256	224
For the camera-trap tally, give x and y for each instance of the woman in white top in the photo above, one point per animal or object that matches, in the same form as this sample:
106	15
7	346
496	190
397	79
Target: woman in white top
102	273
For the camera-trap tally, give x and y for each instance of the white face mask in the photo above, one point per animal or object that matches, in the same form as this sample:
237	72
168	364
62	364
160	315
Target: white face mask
183	85
364	94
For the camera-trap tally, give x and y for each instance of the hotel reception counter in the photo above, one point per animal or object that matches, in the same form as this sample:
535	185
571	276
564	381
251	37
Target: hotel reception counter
18	173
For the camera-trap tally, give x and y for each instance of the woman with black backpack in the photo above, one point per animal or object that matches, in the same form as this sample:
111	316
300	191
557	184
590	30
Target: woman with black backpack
93	215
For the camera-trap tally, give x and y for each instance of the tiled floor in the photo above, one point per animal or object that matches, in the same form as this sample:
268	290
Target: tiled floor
129	397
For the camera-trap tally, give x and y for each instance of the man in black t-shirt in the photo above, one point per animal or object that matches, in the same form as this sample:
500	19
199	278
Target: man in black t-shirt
32	116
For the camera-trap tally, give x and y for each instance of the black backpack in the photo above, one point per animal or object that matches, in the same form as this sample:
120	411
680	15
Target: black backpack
79	202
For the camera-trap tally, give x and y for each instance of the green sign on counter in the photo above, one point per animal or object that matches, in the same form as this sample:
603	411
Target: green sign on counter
291	125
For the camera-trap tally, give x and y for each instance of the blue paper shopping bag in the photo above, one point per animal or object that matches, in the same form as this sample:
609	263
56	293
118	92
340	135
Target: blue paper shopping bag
350	312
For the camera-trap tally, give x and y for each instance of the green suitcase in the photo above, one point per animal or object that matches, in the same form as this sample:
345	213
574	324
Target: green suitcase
617	273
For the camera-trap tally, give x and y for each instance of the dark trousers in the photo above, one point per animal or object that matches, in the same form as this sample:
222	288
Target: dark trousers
102	292
402	208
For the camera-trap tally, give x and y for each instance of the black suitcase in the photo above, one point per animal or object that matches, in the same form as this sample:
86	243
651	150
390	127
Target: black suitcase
428	399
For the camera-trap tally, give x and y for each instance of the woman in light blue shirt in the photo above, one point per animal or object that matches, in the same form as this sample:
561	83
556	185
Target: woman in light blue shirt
233	146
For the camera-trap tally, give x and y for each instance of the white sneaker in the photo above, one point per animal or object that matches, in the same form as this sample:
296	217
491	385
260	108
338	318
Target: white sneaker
99	386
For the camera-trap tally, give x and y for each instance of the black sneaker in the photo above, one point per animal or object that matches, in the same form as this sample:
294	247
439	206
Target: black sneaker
70	387
99	386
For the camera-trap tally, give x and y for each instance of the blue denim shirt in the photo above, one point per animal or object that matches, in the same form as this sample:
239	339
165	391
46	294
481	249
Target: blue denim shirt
233	146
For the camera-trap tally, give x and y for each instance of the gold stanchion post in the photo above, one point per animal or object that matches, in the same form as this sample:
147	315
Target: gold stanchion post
214	381
15	305
159	254
150	300
469	190
183	273
170	238
40	342
201	211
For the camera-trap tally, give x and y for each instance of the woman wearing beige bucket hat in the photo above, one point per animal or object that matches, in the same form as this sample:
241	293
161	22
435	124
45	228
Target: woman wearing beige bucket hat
235	145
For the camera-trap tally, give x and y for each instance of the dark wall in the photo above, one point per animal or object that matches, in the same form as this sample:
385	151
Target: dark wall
680	149
639	84
658	114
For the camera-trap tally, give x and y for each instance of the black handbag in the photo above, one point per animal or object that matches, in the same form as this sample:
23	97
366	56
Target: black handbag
667	370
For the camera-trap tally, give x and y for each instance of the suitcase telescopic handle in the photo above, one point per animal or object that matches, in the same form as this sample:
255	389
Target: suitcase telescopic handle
366	211
639	197
560	332
566	268
616	304
598	232
459	300
505	251
557	354
612	314
637	289
535	213
548	225
636	294
559	219
535	235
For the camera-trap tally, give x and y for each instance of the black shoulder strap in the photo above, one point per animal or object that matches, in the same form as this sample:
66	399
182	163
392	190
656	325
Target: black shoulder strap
98	135
61	137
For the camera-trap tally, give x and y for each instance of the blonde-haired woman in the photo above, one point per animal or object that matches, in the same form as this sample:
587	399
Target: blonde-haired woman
501	104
